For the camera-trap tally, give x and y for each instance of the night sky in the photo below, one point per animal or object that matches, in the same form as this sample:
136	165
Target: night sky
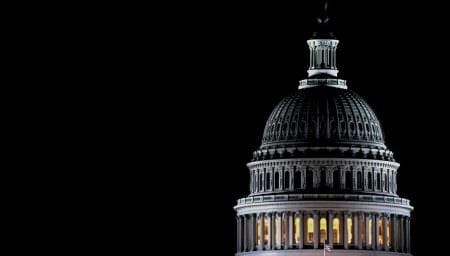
230	64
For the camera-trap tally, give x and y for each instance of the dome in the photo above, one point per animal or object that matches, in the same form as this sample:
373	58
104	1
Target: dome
323	116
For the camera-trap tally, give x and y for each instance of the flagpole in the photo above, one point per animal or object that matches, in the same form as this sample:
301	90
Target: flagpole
324	245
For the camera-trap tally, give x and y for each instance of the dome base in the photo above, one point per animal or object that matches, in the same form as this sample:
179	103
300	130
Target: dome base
319	252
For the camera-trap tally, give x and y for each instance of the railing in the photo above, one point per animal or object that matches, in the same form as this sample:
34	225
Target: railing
306	197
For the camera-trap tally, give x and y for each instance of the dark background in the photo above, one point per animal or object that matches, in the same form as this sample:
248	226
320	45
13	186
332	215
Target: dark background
227	65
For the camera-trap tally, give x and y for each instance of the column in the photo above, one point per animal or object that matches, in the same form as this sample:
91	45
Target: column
374	232
367	220
238	234
279	230
360	218
290	226
302	231
270	231
394	232
286	230
402	234
345	230
316	230
330	227
408	235
245	232
377	220
356	237
261	232
385	222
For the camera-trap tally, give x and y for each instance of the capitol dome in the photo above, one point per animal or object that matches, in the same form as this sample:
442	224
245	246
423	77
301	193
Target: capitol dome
322	180
323	116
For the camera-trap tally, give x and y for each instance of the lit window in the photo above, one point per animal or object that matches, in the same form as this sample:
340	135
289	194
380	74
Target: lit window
336	229
266	231
349	230
297	230
380	232
310	230
388	233
323	230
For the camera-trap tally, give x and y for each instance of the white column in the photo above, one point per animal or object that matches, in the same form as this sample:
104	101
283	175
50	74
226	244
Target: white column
402	234
356	237
330	227
394	227
238	234
377	220
345	230
408	235
261	232
290	225
360	218
302	228
272	227
279	230
367	220
385	222
245	233
270	231
316	229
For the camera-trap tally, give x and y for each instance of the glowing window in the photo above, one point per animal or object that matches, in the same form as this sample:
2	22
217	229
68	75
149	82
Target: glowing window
336	229
380	232
309	230
362	232
388	233
323	230
297	230
266	231
349	230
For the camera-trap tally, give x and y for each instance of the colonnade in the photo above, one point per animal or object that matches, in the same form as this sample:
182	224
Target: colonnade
310	230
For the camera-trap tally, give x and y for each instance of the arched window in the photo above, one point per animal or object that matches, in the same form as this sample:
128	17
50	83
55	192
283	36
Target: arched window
309	230
350	230
287	180
369	180
268	181
266	231
359	180
369	241
323	179
277	180
348	180
336	231
297	230
309	179
336	180
323	230
380	233
378	181
297	179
